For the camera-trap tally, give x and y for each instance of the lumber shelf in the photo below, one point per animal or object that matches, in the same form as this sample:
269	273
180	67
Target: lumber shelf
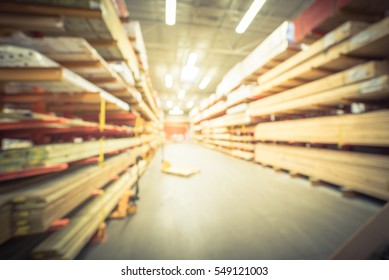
105	14
353	75
334	37
368	44
53	154
364	173
37	205
373	89
68	242
367	129
277	47
69	82
231	120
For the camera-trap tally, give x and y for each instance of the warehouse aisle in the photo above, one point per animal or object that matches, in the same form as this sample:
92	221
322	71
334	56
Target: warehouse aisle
232	209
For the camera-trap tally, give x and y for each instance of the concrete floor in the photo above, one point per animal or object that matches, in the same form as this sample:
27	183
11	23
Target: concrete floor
232	209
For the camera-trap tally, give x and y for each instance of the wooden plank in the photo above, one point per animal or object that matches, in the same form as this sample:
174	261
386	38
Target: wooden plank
336	36
369	241
51	154
355	74
30	74
364	173
51	98
367	44
59	108
368	129
373	89
42	9
17	22
68	242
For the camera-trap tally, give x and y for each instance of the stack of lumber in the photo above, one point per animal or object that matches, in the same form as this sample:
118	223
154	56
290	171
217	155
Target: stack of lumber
370	43
134	32
334	37
365	81
100	25
80	57
274	49
368	129
23	124
53	154
228	141
31	206
68	242
310	99
107	59
26	71
365	173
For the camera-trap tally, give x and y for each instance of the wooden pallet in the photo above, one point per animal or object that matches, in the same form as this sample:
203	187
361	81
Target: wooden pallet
364	173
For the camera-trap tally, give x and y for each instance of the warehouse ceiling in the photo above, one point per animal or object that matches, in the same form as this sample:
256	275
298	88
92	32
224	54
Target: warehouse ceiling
206	27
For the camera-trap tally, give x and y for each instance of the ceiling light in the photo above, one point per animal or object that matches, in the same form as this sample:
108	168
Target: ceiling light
189	73
181	94
250	15
192	58
176	111
204	82
168	80
169	104
189	104
170	12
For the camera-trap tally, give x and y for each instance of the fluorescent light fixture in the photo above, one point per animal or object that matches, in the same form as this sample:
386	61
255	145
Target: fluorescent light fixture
181	94
168	80
189	73
250	15
176	111
170	12
110	98
204	82
169	104
192	58
189	104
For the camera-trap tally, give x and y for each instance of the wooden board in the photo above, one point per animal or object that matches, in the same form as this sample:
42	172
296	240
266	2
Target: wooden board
364	173
368	129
